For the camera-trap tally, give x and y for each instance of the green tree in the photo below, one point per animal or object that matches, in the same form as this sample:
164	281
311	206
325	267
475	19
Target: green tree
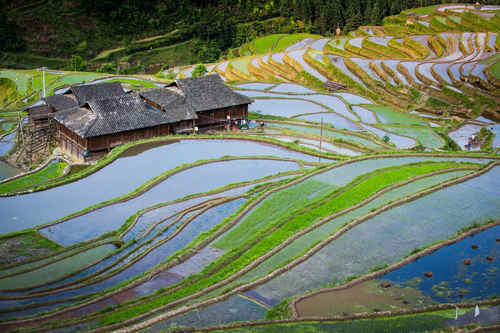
199	70
77	64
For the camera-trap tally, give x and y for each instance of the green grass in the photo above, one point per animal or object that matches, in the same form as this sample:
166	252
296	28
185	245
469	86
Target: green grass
394	117
13	114
50	172
8	92
178	54
241	64
424	135
135	83
78	78
56	270
37	80
259	244
421	10
289	40
495	69
26	244
415	323
261	45
26	60
491	60
386	51
273	207
7	126
106	53
19	78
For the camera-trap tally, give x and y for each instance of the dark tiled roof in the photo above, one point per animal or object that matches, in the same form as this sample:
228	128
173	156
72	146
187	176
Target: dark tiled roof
85	93
174	103
111	115
60	102
209	93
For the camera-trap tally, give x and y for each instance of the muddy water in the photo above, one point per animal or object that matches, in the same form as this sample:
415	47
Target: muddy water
121	177
368	296
7	171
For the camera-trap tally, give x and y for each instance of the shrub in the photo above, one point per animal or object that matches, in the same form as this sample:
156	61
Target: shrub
199	70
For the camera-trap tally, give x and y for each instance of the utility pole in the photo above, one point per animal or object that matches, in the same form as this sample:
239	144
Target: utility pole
43	79
321	137
43	69
321	134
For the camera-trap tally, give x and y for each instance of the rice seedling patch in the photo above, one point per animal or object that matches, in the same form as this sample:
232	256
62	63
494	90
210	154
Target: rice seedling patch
421	222
424	135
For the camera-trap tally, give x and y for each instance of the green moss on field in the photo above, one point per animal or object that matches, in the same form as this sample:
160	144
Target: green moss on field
55	270
21	79
48	173
241	64
289	40
421	10
394	117
279	204
495	69
24	246
279	311
426	136
414	323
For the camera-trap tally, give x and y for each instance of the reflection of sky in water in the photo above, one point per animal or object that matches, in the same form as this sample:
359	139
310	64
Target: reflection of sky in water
201	224
121	177
337	121
7	142
256	86
461	135
283	107
449	273
195	180
401	142
298	56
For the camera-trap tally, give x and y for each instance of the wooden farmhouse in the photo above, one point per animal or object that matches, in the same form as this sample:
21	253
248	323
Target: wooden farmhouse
92	119
74	96
206	101
89	130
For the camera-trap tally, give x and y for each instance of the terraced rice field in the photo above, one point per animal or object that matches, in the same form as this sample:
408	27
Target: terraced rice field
337	194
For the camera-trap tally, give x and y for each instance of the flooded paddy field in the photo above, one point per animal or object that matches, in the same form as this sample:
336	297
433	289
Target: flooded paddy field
340	174
365	141
109	182
355	251
407	287
336	121
284	108
185	183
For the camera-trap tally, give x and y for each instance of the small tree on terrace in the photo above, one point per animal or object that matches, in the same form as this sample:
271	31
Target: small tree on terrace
199	70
